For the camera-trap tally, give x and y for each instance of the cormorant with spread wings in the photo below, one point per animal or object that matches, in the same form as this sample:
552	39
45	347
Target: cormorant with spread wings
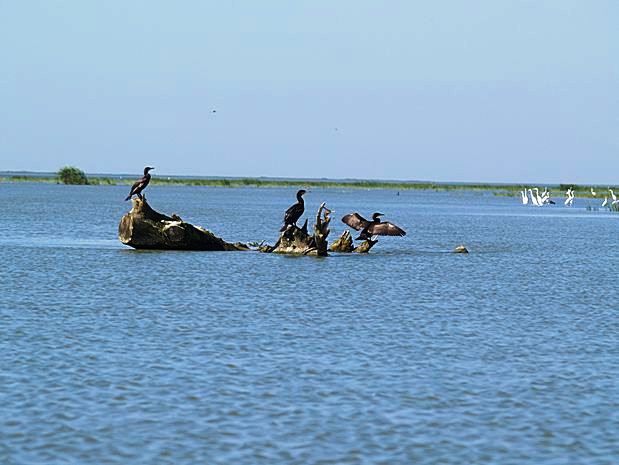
376	227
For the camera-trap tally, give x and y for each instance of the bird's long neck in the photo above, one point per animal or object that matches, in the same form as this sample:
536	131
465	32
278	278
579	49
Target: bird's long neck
300	199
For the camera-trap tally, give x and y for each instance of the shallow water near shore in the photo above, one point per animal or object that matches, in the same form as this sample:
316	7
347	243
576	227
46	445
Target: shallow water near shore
407	355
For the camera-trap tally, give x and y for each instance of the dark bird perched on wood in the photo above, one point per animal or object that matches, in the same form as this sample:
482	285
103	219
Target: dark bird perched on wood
140	184
294	212
372	228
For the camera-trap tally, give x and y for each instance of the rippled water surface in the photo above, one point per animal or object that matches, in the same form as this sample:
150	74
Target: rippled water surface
409	355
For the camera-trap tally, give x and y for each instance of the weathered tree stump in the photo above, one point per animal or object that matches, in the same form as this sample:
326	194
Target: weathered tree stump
145	228
299	241
321	230
344	244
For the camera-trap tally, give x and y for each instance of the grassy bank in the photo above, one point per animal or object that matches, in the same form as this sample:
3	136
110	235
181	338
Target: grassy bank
497	189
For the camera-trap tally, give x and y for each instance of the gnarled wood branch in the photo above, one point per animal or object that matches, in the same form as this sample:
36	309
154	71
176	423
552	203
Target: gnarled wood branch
344	244
298	241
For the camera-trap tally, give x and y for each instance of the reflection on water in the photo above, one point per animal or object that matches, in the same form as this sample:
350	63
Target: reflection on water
406	355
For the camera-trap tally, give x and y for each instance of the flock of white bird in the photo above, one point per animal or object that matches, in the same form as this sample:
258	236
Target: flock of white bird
539	200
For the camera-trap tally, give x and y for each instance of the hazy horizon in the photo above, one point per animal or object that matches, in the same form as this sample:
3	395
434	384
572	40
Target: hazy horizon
483	92
302	179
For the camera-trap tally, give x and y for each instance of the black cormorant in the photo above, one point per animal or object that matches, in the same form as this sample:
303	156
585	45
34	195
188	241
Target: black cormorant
140	184
372	228
295	211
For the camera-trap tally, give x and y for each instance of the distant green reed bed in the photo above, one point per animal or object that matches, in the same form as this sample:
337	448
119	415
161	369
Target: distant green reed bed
497	189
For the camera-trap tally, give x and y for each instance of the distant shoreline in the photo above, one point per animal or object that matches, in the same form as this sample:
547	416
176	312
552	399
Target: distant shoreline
123	180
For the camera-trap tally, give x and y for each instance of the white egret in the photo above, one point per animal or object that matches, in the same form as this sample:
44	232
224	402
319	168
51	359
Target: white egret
525	199
612	194
570	197
540	201
593	193
605	202
533	199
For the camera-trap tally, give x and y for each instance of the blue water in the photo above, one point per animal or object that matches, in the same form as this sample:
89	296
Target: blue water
409	355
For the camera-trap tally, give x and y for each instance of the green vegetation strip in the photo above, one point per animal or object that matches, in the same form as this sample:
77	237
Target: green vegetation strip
497	189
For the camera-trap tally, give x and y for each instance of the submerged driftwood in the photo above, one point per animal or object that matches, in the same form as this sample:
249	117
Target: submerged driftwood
145	228
344	244
299	241
460	249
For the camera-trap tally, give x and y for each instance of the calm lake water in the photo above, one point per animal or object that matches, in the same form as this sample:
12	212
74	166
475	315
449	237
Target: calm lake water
409	355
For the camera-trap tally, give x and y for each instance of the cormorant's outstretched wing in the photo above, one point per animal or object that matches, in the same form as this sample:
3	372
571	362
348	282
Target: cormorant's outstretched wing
355	221
385	229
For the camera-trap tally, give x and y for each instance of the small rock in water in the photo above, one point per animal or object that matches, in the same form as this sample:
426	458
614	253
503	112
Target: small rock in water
461	249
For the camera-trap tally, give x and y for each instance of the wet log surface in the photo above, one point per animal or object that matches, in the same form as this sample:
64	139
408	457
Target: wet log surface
145	228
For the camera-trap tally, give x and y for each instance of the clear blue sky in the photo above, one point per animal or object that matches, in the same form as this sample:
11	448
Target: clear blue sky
515	91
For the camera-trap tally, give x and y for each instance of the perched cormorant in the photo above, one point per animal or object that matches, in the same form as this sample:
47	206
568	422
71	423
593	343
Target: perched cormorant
376	227
295	211
140	184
